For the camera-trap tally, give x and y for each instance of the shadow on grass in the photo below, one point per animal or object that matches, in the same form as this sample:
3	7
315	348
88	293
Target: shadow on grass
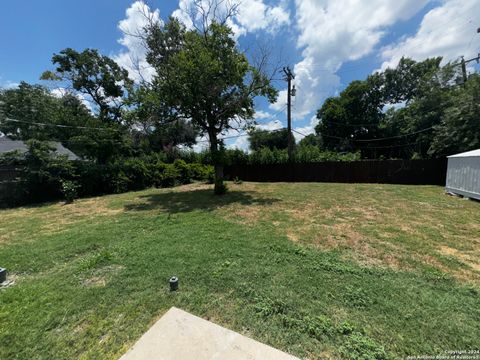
199	199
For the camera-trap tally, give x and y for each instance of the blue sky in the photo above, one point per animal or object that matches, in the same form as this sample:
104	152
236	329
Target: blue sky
328	43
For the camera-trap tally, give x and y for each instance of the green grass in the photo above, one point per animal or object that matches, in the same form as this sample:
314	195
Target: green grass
317	270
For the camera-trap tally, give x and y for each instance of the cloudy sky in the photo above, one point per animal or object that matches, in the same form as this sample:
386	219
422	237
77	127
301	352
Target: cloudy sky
327	43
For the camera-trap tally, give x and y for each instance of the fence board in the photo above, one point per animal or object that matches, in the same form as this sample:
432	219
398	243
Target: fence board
408	172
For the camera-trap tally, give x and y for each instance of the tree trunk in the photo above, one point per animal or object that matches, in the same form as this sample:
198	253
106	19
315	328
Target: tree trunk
219	188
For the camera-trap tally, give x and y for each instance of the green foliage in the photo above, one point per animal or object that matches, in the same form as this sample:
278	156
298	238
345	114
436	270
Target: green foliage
202	75
266	306
356	297
33	104
311	140
94	261
45	176
361	347
266	156
303	154
94	75
170	175
459	129
69	190
401	106
268	139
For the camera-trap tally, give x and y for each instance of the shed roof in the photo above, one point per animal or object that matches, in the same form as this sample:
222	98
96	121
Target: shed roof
8	145
473	153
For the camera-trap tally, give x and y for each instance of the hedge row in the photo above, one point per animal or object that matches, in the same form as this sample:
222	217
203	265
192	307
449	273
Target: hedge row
58	178
305	154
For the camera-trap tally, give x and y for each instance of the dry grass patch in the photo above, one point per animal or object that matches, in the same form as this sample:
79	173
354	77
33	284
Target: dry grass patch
384	227
469	258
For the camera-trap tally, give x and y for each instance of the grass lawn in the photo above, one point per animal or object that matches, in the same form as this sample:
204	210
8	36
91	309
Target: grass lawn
317	270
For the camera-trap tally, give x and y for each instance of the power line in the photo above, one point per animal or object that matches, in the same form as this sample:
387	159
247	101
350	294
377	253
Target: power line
394	146
237	136
395	137
58	125
377	139
377	147
272	116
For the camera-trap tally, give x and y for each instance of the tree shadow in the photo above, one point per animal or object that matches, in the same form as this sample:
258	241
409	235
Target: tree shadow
198	199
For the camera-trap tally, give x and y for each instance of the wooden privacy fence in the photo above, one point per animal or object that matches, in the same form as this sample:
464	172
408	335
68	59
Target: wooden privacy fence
409	172
8	173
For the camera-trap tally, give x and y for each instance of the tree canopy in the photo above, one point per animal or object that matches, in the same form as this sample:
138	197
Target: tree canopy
277	139
202	77
94	75
398	113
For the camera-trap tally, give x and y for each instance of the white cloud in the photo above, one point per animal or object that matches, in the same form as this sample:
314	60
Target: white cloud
133	58
332	32
270	126
60	92
251	16
306	130
240	143
448	30
7	84
260	114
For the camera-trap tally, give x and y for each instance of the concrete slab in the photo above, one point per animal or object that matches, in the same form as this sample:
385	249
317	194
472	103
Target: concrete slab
179	335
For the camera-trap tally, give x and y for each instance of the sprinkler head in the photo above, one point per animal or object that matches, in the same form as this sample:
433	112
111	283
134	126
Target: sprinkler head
173	283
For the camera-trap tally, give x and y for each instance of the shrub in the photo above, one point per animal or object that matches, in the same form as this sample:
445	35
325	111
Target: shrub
184	170
69	190
170	176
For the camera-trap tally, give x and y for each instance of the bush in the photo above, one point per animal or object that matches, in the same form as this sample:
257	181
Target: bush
69	190
184	170
45	176
170	176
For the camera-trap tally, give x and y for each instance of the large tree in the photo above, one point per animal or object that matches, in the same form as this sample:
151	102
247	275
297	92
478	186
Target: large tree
96	76
391	113
277	139
34	112
354	115
152	127
459	129
202	77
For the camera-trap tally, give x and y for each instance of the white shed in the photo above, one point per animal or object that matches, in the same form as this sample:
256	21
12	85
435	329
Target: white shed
463	174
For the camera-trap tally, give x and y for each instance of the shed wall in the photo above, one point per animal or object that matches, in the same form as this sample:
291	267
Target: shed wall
463	176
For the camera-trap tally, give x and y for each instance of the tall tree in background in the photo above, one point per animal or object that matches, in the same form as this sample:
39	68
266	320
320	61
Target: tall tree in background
459	129
33	112
100	80
201	76
28	104
277	139
94	75
354	115
152	127
391	113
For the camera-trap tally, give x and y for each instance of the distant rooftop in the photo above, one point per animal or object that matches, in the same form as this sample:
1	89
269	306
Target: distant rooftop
7	145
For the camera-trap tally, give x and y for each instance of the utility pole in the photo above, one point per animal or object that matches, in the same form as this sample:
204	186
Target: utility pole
464	70
464	63
291	92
